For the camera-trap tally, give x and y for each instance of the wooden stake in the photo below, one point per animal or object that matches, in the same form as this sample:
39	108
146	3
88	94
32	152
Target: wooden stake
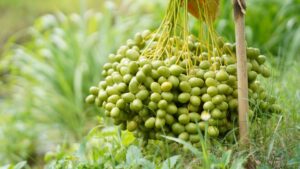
242	75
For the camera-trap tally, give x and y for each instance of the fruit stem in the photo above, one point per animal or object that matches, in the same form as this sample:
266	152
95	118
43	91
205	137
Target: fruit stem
239	16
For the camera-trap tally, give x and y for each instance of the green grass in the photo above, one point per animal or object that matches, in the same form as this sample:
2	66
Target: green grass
18	14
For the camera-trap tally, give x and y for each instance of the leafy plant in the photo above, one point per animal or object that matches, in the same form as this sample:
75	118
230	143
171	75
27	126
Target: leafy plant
275	31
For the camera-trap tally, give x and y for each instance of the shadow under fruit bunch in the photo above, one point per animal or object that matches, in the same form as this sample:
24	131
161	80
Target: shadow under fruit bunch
169	82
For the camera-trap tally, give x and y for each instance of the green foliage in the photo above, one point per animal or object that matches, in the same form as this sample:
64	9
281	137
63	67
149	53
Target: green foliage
115	154
52	90
270	25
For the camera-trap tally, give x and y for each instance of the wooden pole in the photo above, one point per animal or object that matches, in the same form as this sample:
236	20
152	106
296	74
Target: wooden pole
242	75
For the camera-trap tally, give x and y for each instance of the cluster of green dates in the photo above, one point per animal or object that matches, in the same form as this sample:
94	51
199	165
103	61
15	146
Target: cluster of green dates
172	96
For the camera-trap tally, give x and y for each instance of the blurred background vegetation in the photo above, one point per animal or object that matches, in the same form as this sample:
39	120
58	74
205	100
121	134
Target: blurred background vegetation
18	14
52	51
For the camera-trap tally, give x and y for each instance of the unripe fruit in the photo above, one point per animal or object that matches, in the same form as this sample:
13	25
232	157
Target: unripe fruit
208	105
265	72
200	73
233	104
211	82
115	112
102	95
231	69
150	123
152	105
195	100
142	94
122	50
206	98
146	34
183	110
231	80
122	87
128	97
133	67
196	82
222	75
163	71
156	97
90	99
261	59
204	65
195	117
184	136
136	105
166	86
252	53
213	131
109	106
194	138
223	106
185	86
169	119
159	123
174	81
147	69
132	54
209	74
155	87
196	91
113	98
252	76
140	77
161	113
144	113
191	128
127	78
172	109
177	92
217	99
177	128
255	66
212	91
216	114
138	38
133	86
184	97
94	90
223	88
162	79
162	104
184	119
131	125
176	70
154	74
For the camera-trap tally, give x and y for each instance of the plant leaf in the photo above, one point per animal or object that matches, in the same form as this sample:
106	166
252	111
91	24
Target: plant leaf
238	162
145	163
226	157
20	165
127	138
170	162
188	145
133	154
